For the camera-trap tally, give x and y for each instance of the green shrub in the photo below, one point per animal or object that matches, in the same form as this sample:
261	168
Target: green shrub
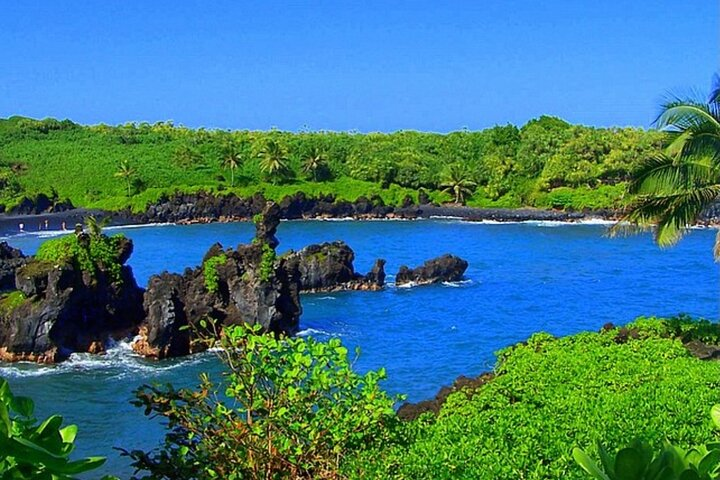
100	252
552	394
210	272
293	408
32	451
267	263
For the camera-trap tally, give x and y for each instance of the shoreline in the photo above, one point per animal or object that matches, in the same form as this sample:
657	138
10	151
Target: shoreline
36	223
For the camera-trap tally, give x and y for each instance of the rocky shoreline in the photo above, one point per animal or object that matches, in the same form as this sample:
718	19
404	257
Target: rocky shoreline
202	207
78	294
208	208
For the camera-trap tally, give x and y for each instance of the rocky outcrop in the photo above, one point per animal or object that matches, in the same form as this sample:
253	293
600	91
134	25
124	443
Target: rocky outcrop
41	203
329	267
411	411
246	285
447	268
58	308
204	207
10	260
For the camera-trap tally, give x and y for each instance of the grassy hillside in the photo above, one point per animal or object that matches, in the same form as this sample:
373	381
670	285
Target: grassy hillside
546	163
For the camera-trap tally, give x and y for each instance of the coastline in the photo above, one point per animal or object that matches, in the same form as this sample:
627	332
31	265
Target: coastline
35	223
183	213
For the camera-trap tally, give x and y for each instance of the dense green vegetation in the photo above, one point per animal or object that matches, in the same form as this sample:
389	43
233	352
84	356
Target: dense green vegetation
90	253
553	394
292	408
546	163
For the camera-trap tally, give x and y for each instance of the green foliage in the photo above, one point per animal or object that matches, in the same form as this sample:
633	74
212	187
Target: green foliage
674	188
89	253
457	182
210	272
512	166
10	301
551	394
267	263
639	461
581	198
32	451
292	408
126	172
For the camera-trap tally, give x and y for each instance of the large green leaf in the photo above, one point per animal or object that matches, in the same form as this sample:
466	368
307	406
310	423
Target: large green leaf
629	464
23	405
715	414
588	464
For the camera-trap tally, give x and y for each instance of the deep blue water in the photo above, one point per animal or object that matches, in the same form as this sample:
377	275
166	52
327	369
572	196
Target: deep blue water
522	278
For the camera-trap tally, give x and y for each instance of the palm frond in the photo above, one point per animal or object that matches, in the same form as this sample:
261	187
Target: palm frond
661	174
672	213
715	91
681	116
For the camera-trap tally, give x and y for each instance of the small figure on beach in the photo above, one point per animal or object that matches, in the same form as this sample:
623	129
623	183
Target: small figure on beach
22	227
47	224
63	226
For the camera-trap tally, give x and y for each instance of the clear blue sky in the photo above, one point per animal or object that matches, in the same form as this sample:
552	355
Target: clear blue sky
365	65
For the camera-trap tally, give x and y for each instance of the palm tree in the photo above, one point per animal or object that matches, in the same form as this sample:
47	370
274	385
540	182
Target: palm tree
273	159
95	226
231	160
676	187
457	182
126	172
314	162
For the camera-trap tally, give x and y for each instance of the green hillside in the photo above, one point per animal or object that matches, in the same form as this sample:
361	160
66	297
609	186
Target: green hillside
547	163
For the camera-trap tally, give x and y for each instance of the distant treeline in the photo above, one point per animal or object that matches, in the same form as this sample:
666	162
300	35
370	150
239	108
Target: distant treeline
547	163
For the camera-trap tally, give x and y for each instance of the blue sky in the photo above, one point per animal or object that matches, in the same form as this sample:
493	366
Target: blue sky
367	66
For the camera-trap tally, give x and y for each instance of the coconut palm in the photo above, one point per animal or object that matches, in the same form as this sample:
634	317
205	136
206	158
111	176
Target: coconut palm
314	162
95	226
231	161
676	187
273	159
457	182
126	172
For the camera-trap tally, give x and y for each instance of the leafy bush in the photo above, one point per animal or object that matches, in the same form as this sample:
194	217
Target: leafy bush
32	451
98	252
293	408
267	263
638	461
552	394
210	272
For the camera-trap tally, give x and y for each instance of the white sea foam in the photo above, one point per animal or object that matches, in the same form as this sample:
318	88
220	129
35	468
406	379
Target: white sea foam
140	225
326	298
458	284
315	331
119	360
